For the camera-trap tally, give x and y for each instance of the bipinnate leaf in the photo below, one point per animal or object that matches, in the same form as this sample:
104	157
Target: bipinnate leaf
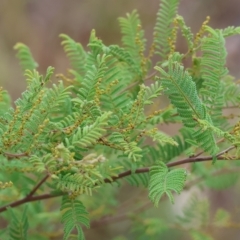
25	57
162	181
18	226
73	215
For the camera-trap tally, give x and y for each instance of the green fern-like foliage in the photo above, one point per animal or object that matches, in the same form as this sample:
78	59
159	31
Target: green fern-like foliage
73	215
183	95
76	54
197	218
5	101
162	31
231	91
217	178
88	135
167	153
213	57
19	225
133	39
230	31
25	57
186	31
104	122
182	92
163	181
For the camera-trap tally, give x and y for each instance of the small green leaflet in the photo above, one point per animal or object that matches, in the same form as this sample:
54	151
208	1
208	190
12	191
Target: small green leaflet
164	181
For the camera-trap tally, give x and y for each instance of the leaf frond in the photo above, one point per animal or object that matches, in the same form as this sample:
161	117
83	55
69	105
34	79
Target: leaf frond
73	215
162	30
162	181
25	57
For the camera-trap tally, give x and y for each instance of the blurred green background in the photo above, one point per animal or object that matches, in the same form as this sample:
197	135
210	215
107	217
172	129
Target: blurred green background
38	23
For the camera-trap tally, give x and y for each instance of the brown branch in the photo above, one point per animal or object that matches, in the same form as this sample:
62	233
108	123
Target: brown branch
124	216
173	164
31	198
224	151
38	186
127	173
150	76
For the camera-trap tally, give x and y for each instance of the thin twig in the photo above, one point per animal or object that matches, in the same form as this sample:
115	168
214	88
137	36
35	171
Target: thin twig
124	216
31	198
150	76
225	151
194	160
38	186
128	87
127	173
200	153
137	83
